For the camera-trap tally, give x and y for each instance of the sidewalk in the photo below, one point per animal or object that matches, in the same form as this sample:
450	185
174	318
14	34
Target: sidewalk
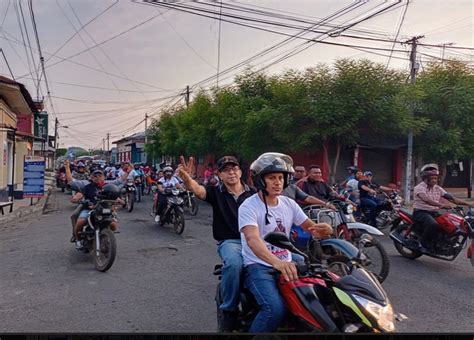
23	207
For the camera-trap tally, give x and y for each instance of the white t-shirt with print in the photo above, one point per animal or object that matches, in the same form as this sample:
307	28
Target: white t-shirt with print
281	217
169	183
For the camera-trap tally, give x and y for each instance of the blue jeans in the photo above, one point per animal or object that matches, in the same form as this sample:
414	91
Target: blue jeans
230	251
371	204
262	282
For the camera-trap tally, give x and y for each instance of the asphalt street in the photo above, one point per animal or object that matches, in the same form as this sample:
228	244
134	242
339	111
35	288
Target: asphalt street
163	282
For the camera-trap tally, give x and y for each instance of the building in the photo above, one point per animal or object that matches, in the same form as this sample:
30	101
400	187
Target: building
17	111
131	148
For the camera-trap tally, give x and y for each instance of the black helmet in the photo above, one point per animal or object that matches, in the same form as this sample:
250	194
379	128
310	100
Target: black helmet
110	192
352	169
271	162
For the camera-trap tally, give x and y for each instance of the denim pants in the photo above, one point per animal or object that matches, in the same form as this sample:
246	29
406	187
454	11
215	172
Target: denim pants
230	251
262	282
371	204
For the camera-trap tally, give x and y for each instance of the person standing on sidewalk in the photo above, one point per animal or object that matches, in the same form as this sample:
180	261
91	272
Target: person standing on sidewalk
225	200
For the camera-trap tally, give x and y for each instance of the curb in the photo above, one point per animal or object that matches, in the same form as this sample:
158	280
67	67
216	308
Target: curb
27	211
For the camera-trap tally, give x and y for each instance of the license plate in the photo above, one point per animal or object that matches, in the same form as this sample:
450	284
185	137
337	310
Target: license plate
106	211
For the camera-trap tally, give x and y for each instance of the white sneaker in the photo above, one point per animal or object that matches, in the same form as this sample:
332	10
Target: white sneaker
157	218
79	245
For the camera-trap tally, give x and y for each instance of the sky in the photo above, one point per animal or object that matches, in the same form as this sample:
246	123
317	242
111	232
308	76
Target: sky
131	58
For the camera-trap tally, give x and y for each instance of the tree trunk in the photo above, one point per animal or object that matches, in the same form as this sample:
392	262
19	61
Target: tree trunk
336	161
326	157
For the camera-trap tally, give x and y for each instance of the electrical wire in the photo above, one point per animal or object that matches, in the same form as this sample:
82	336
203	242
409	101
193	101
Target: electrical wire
396	35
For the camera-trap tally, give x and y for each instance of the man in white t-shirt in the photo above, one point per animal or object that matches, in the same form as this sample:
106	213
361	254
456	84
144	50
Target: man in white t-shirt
167	181
259	215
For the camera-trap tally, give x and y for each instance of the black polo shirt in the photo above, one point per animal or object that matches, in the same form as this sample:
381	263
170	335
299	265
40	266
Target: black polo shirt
317	189
225	208
363	193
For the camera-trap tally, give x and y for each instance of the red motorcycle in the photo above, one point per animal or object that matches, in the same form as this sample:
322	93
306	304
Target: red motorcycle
455	229
321	301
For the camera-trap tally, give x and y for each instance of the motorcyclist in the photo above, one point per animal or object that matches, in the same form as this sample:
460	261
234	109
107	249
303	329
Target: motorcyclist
262	213
90	192
427	200
367	192
225	198
80	172
167	181
314	184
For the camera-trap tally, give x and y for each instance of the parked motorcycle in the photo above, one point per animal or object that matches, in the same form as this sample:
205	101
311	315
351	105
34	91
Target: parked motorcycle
361	235
455	229
190	202
97	237
173	213
128	195
321	301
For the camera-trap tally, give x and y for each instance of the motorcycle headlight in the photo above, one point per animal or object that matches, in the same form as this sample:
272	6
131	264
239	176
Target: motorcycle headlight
382	314
349	209
175	192
399	200
179	200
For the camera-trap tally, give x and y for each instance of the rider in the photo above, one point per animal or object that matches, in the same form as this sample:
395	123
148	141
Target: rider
167	181
427	200
225	200
262	213
367	193
314	184
90	192
81	173
300	172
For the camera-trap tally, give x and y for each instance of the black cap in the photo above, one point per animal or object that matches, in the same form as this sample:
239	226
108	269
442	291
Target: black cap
98	172
223	161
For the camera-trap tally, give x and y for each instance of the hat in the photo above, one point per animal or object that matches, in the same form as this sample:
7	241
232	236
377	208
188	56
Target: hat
97	173
223	161
368	173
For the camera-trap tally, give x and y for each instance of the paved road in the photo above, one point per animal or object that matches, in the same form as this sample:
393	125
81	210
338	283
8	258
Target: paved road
162	282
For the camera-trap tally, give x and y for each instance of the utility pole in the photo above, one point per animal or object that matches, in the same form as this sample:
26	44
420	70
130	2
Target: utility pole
146	137
187	96
413	70
108	147
55	141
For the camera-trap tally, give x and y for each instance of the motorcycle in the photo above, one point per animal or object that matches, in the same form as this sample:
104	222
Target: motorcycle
138	188
190	202
361	235
321	301
173	213
387	209
128	195
97	236
455	229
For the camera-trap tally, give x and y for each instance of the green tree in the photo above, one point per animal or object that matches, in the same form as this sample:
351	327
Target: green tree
61	152
448	104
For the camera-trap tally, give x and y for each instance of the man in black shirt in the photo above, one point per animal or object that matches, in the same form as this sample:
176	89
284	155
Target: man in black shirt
225	200
367	194
314	184
90	193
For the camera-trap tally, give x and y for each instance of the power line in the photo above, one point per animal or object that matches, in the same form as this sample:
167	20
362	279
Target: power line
80	29
398	32
6	61
6	13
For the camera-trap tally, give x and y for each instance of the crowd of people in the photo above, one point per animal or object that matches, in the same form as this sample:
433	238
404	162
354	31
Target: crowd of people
243	214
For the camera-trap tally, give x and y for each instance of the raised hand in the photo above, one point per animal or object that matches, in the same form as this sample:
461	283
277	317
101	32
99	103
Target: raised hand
187	168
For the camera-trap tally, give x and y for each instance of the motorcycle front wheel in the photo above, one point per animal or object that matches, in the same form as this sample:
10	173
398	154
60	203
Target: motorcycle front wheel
193	207
138	192
130	200
108	249
178	222
377	261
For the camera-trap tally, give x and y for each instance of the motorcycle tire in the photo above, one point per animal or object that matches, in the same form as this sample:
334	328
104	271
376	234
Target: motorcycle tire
178	222
138	192
374	249
193	207
147	190
130	200
339	265
108	249
401	228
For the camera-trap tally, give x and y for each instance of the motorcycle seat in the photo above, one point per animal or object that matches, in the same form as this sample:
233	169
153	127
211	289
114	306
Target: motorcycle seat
357	282
407	213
